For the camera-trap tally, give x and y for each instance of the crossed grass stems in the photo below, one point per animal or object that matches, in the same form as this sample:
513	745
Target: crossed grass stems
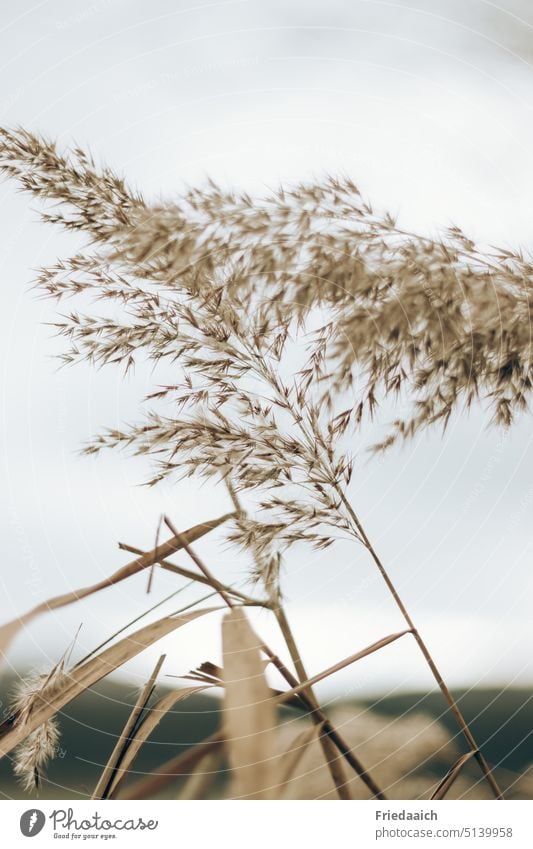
143	719
303	686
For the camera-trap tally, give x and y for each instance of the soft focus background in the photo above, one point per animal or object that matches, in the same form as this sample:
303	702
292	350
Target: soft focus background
427	105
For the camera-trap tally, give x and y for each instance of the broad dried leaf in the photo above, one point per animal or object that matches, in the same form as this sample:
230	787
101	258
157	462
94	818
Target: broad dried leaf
249	713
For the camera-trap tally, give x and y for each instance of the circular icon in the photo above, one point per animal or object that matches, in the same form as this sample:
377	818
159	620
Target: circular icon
32	822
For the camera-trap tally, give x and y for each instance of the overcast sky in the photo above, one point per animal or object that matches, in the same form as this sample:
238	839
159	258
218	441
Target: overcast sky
428	107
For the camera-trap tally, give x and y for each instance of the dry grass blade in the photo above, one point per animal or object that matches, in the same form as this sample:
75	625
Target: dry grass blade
31	757
202	779
292	756
154	782
373	647
451	776
124	739
10	630
249	712
91	672
149	724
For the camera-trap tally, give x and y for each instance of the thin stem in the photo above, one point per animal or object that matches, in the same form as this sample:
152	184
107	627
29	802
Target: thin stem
319	717
201	565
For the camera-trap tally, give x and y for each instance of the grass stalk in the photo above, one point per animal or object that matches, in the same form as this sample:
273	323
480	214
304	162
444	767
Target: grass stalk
463	725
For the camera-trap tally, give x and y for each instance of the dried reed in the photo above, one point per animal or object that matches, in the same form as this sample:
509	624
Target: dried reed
230	290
